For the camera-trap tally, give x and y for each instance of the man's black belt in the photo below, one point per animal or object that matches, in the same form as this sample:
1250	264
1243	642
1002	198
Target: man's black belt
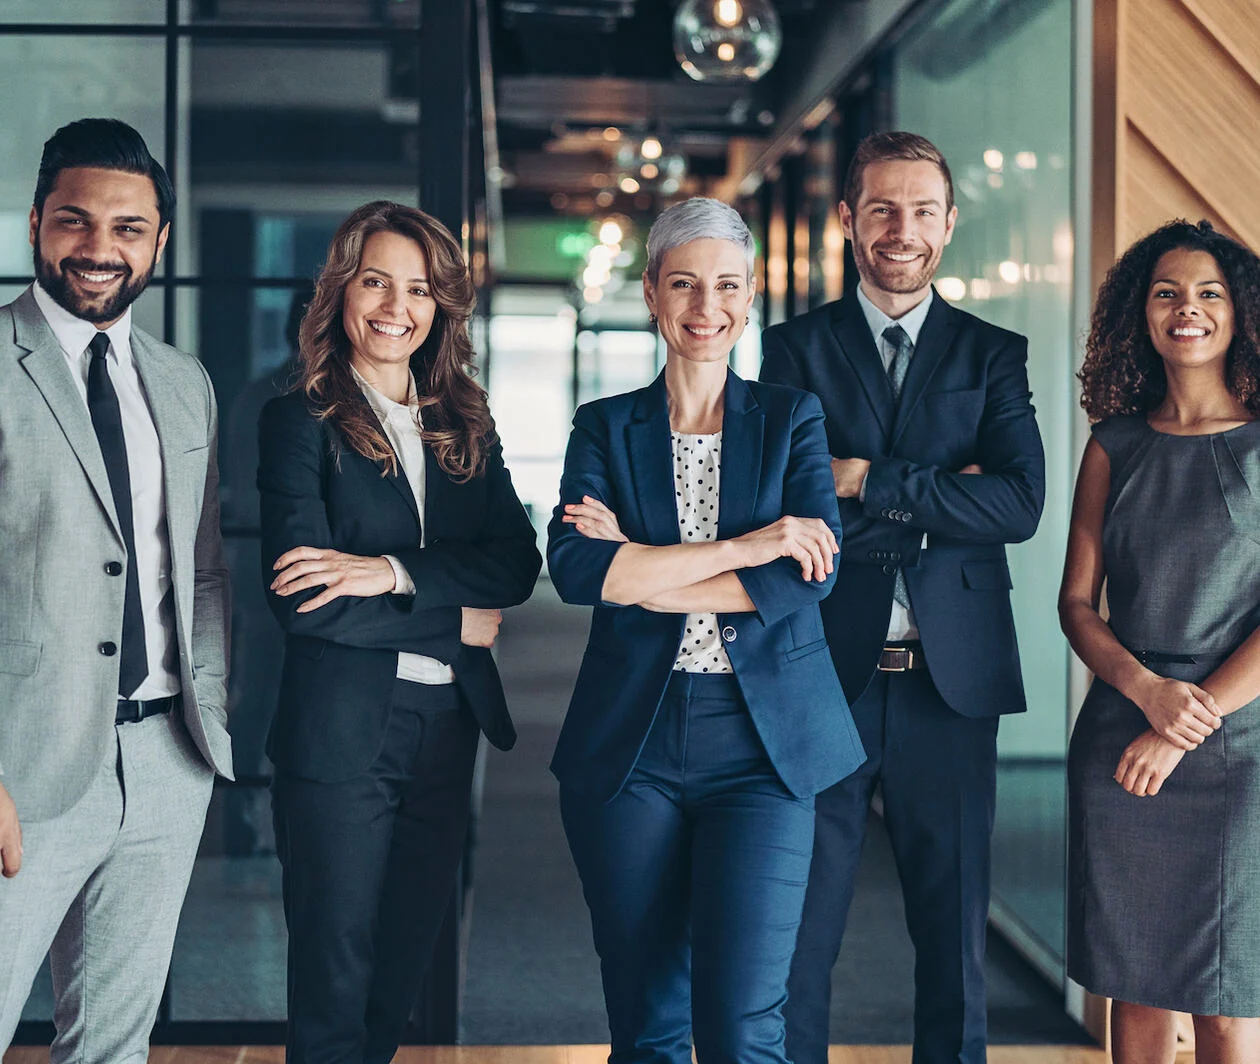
902	657
131	710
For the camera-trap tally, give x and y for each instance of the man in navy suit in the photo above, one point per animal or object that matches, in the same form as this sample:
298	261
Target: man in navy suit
937	464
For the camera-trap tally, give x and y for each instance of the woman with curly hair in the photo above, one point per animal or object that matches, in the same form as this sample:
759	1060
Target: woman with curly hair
391	538
1164	763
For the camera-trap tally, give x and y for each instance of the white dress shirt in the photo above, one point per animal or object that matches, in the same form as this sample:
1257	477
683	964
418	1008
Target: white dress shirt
144	468
402	429
901	625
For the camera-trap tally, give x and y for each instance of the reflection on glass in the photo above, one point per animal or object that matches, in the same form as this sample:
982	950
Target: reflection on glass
1007	137
395	14
104	12
72	78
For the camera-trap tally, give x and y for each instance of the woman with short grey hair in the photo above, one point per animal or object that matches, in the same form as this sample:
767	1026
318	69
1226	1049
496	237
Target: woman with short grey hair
707	713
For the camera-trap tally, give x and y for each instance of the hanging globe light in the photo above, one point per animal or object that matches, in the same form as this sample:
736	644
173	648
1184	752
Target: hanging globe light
726	40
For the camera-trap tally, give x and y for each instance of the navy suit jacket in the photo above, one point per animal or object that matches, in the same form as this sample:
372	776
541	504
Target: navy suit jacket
340	660
965	399
774	463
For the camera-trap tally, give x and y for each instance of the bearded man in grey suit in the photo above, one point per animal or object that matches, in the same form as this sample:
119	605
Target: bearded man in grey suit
113	629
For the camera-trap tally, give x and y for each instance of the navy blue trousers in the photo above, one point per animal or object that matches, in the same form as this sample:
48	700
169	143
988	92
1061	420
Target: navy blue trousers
695	875
937	773
369	869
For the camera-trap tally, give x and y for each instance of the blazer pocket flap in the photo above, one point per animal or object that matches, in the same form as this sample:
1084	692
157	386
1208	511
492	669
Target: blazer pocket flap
806	650
21	659
986	576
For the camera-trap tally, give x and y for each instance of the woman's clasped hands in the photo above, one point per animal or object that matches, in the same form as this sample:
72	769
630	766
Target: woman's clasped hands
1181	716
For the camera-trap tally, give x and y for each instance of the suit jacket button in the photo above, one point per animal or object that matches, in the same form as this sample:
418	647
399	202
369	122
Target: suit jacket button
729	634
885	512
894	556
108	649
874	555
113	568
889	570
905	516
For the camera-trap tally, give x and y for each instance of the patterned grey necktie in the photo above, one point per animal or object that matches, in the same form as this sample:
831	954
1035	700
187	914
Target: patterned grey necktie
896	338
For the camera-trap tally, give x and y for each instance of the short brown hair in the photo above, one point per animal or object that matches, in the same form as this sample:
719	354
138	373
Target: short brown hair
886	147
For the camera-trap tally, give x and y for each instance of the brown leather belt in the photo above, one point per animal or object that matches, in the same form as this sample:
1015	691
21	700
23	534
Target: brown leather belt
903	657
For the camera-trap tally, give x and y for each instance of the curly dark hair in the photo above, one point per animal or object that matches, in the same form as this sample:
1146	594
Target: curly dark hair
1122	372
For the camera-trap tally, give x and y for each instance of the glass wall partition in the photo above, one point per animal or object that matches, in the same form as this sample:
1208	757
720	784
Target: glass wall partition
275	118
1000	110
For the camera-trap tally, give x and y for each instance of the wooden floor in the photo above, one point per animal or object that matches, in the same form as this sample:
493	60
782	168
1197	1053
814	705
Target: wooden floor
568	1055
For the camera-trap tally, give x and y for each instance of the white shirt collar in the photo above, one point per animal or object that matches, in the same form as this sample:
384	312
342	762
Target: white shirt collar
912	320
74	334
386	409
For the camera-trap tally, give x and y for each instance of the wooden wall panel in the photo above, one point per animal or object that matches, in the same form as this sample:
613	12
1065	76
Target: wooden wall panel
1176	119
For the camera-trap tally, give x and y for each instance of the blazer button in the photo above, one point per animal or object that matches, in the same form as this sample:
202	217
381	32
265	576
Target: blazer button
905	516
874	555
729	634
113	568
894	556
889	570
108	649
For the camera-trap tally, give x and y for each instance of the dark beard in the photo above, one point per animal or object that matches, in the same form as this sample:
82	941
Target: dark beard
889	279
97	309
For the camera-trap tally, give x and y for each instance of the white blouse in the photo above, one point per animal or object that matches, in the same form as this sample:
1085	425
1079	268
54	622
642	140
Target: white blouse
697	472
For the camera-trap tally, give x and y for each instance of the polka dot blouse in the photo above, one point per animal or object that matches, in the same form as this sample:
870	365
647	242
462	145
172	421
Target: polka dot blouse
697	469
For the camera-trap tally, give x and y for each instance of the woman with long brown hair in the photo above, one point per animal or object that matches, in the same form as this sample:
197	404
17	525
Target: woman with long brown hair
391	538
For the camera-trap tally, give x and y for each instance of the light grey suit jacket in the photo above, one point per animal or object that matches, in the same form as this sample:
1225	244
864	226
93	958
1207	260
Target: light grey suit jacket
59	529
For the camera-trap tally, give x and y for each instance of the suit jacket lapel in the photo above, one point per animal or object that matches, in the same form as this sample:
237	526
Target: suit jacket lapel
45	363
935	339
743	431
855	339
652	463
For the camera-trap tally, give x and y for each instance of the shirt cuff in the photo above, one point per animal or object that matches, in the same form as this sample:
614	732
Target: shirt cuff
862	486
403	584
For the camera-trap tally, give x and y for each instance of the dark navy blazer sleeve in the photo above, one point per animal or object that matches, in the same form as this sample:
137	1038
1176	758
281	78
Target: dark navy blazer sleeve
578	565
1002	504
492	569
777	588
293	464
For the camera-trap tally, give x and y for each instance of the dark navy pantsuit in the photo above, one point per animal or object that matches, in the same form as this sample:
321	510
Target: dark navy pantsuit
936	771
695	875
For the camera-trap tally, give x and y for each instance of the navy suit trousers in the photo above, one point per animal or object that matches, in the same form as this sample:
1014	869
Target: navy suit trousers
937	773
695	874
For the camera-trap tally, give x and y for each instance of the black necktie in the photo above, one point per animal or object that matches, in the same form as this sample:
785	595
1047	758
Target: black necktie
896	338
107	420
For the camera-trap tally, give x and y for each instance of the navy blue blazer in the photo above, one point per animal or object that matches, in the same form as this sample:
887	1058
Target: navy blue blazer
340	660
965	400
774	463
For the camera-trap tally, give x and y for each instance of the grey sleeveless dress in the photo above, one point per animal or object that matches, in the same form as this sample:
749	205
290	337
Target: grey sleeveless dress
1164	892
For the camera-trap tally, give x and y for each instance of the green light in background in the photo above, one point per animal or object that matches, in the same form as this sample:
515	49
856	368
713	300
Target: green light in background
575	245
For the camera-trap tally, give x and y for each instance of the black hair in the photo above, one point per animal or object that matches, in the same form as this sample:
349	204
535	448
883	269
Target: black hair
108	144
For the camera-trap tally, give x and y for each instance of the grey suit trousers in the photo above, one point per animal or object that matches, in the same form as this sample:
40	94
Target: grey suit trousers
100	892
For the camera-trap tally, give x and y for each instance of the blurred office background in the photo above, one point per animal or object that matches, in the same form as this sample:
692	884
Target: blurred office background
548	133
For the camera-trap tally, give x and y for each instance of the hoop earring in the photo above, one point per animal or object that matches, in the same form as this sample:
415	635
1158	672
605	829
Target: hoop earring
651	319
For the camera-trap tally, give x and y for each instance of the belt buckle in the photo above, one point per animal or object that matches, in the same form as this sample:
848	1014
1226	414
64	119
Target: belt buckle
909	659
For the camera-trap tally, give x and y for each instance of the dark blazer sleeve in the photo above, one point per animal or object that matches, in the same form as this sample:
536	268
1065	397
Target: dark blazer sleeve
809	490
495	567
1001	505
292	466
578	565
